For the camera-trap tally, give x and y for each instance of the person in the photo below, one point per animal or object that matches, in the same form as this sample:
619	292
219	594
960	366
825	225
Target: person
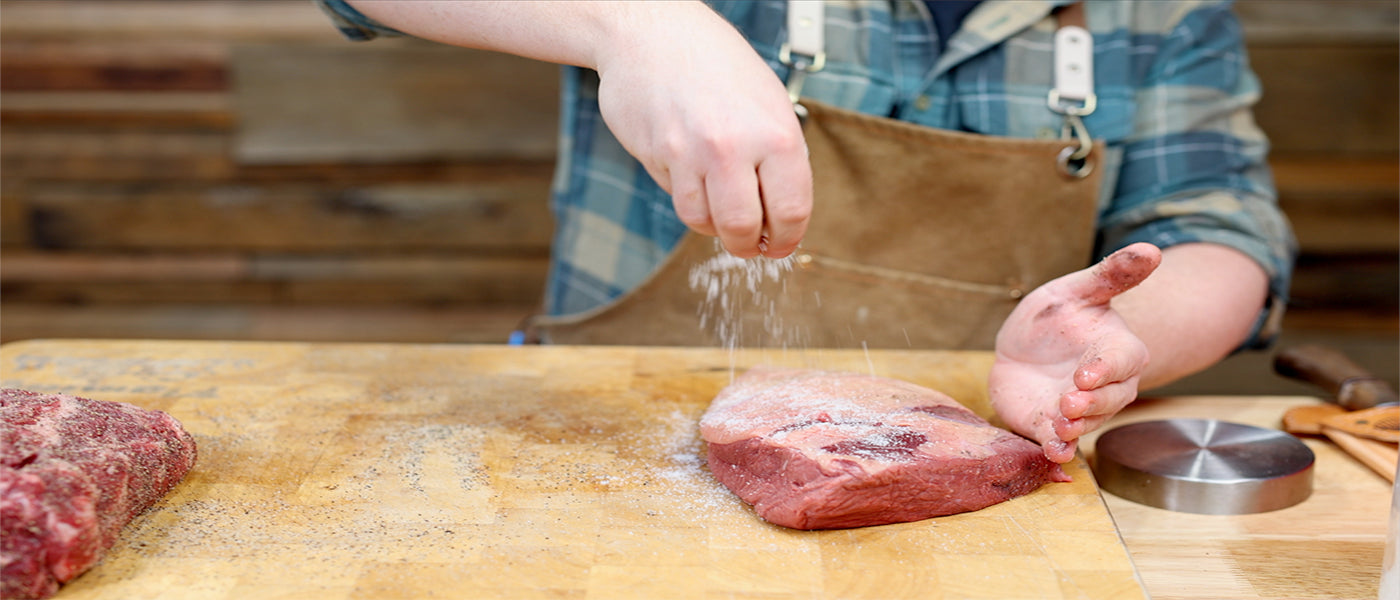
680	116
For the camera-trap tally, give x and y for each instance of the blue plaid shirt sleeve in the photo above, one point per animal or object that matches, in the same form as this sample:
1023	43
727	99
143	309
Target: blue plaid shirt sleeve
1194	167
353	24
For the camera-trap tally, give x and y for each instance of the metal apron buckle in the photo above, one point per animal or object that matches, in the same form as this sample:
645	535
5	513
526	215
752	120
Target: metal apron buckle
1073	94
1073	160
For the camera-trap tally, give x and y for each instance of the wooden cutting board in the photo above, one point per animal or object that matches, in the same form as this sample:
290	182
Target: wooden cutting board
393	471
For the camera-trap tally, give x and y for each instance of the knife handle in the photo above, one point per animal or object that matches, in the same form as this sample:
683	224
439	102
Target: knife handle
1347	383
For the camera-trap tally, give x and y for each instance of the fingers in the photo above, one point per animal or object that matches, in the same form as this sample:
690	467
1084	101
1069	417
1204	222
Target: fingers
735	208
1073	429
1035	422
785	183
692	207
1060	451
1125	359
1082	412
753	191
1115	274
1103	402
740	205
1058	447
1068	431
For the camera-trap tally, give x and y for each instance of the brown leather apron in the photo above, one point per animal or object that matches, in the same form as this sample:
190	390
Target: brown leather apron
919	238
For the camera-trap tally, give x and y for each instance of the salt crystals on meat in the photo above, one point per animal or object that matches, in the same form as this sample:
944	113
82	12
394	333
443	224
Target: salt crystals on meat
825	450
73	473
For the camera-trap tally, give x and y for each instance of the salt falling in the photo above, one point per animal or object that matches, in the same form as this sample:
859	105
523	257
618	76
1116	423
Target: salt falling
733	287
755	292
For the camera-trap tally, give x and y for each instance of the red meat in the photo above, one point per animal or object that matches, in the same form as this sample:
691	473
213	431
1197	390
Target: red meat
73	473
826	450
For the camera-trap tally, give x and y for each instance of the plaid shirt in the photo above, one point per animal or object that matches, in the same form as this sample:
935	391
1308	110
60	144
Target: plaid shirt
1185	161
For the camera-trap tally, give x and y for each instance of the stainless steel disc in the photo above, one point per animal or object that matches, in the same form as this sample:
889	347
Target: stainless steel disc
1204	466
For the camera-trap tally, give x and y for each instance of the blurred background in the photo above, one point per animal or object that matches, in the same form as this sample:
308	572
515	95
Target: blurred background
236	170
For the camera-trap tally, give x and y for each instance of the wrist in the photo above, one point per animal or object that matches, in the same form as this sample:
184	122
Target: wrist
629	31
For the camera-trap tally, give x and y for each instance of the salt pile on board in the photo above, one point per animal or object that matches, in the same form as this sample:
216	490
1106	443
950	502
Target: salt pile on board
669	461
397	490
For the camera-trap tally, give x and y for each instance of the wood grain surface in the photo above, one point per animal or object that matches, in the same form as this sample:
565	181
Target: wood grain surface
398	471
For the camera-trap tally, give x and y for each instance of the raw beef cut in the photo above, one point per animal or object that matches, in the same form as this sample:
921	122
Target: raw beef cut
73	472
826	450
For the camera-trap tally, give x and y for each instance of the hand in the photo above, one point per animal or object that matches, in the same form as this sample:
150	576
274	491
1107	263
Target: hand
1065	360
713	125
679	87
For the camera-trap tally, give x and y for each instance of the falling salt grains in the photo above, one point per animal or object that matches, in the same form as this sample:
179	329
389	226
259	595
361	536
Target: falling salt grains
733	287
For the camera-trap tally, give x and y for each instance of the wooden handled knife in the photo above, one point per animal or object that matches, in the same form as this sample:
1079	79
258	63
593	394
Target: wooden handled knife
1347	383
1365	419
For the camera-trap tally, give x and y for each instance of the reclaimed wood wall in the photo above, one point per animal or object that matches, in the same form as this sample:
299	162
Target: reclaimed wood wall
235	170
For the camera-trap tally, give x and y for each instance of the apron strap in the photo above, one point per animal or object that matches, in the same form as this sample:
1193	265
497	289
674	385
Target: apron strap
1072	95
806	28
1073	92
805	50
1074	63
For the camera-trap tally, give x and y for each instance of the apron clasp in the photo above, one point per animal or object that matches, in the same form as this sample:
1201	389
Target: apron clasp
1073	160
1073	93
797	74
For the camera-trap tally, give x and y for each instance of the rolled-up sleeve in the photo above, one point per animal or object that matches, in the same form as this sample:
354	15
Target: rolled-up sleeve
1195	168
352	23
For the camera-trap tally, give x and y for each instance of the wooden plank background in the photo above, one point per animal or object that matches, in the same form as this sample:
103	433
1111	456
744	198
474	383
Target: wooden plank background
237	170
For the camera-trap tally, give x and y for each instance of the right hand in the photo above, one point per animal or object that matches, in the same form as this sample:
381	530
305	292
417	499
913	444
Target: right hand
710	121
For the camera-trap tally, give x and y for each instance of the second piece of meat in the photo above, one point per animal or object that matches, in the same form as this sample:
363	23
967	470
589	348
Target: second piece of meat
73	473
816	449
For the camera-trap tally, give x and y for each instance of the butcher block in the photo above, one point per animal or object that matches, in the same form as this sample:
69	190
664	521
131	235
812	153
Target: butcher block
421	471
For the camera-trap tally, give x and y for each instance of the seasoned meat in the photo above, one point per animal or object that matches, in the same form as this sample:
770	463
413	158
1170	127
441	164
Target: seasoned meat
824	450
73	472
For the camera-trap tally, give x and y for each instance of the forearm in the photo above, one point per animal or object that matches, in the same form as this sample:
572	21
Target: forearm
1194	310
584	34
678	86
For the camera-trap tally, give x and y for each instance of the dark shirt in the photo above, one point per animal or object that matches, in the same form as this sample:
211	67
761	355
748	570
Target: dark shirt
948	16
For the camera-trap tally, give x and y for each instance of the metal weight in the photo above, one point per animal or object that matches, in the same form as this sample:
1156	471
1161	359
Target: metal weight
1204	466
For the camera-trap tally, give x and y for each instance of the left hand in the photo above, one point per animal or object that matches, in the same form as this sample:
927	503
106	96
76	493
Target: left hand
1065	360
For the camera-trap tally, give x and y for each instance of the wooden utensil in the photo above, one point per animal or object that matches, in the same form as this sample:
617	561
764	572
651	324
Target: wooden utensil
1380	423
1380	456
1355	423
1307	420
